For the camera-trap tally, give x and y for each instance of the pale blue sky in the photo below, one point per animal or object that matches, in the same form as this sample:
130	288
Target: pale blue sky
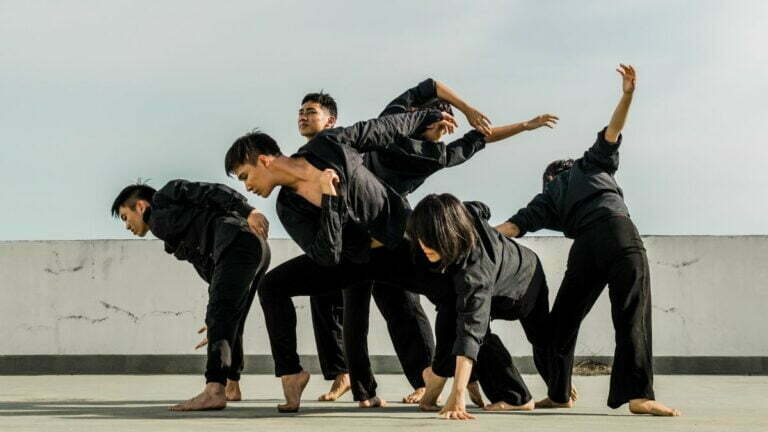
94	94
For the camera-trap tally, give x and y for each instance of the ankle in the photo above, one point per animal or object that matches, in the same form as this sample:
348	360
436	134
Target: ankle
214	388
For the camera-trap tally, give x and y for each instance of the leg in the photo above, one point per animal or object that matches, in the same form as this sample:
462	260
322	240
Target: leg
357	301
500	379
327	320
410	332
228	303
537	324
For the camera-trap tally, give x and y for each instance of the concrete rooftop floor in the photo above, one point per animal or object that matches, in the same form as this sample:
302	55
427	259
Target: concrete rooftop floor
118	403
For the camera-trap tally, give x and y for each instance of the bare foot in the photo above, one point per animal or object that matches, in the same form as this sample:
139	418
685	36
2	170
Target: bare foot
574	393
649	406
475	395
232	391
415	397
432	391
374	402
212	398
549	403
338	388
503	406
293	386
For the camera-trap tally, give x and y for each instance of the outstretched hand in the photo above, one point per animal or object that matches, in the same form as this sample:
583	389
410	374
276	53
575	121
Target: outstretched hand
628	77
478	120
548	120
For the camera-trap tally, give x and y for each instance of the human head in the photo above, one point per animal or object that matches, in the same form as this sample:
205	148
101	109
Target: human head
317	112
249	159
441	227
555	168
130	205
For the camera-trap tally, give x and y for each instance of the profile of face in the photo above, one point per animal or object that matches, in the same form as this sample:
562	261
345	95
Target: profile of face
313	119
257	178
134	218
432	255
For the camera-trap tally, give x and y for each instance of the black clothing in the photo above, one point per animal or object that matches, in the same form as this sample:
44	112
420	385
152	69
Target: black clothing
327	312
609	252
205	224
580	196
365	207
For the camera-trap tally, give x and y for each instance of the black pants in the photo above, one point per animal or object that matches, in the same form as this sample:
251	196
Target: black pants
233	286
302	276
327	322
611	253
494	369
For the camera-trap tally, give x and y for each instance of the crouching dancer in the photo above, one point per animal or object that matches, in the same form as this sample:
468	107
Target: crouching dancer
212	227
582	199
479	275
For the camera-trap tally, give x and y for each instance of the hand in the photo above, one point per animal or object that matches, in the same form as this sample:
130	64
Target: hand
203	342
628	78
258	224
508	229
328	180
478	120
455	408
548	120
448	122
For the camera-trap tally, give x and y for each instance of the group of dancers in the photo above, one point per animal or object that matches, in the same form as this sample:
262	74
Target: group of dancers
343	198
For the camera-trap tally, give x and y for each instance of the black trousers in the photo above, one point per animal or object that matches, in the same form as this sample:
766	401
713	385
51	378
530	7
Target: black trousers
327	321
233	286
494	369
610	252
405	317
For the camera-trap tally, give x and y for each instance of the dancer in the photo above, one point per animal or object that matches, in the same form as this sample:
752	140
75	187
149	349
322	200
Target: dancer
212	227
582	199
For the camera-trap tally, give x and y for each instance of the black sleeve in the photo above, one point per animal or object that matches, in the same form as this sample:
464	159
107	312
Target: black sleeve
424	92
473	308
201	194
539	213
479	209
382	133
460	150
320	240
603	154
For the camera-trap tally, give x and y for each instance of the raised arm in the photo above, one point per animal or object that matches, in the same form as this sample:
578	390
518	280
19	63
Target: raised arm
414	97
619	117
475	118
381	133
502	132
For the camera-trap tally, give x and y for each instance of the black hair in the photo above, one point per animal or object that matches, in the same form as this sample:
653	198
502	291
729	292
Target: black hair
324	99
130	195
437	104
555	168
248	148
442	223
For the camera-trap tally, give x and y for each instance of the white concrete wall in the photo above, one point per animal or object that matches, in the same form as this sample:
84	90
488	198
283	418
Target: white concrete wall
129	297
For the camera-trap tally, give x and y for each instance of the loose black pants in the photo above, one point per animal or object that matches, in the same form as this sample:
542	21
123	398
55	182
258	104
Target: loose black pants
494	369
233	286
327	321
412	333
610	252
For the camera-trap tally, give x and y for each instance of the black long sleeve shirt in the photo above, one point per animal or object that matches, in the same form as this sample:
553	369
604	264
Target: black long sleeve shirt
409	162
580	196
197	221
365	207
490	282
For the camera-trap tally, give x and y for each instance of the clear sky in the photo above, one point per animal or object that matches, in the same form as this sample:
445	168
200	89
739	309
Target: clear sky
94	94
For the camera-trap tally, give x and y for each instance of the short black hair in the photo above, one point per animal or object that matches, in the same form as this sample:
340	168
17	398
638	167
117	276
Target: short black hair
437	104
249	147
554	168
444	224
324	99
132	194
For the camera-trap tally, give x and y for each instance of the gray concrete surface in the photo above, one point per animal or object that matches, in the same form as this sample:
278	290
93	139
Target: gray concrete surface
138	403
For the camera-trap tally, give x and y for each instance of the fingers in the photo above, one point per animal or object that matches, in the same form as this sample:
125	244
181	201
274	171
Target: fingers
202	329
450	118
202	343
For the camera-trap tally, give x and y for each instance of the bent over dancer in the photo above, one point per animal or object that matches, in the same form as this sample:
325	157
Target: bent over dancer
212	227
582	199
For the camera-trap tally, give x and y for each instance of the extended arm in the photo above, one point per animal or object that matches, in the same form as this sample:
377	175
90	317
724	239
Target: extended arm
381	133
502	132
619	117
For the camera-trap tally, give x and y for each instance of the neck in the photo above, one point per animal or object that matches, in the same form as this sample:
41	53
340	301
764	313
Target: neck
291	172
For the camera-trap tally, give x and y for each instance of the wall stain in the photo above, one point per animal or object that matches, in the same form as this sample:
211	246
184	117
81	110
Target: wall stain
82	317
680	264
64	270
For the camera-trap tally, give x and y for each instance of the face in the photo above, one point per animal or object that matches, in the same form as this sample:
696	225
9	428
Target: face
313	119
134	219
432	255
256	178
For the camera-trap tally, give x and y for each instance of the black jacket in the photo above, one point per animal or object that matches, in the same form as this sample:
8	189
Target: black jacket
197	221
406	165
490	282
580	196
365	207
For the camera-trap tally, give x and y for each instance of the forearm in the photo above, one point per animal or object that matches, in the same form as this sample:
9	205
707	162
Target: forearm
462	374
449	95
618	118
503	132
